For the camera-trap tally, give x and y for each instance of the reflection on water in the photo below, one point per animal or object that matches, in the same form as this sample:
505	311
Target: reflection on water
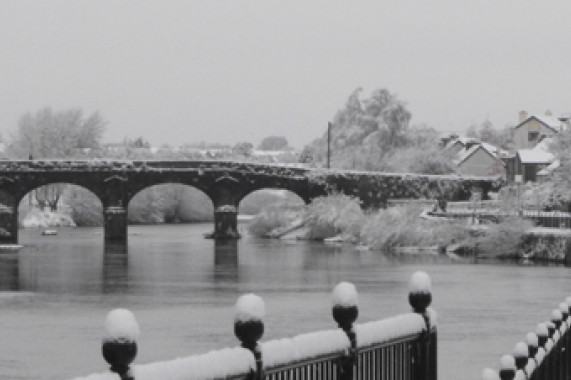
115	268
225	261
9	272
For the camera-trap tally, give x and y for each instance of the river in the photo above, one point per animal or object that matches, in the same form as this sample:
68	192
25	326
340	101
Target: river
55	294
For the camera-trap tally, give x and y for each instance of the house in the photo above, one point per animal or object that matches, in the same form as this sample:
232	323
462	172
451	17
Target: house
530	130
480	159
529	163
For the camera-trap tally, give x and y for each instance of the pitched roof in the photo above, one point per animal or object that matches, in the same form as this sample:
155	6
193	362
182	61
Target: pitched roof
549	121
465	154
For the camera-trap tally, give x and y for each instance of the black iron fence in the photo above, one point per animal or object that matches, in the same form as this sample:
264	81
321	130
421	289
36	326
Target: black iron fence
545	354
403	347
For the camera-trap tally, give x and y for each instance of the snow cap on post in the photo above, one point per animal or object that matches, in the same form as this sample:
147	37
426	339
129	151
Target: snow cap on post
532	344
248	320
556	317
490	374
542	334
121	325
420	292
119	346
564	307
507	367
345	307
250	307
521	353
345	294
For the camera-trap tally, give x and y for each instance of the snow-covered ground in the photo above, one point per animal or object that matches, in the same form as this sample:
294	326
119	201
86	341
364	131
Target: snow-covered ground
44	219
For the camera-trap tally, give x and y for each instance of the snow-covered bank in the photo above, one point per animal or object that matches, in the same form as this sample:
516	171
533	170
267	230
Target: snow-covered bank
45	219
338	219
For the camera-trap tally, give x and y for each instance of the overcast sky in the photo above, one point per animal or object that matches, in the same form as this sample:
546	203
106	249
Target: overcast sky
230	71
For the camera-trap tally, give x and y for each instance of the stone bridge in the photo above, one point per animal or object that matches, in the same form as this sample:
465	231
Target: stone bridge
225	183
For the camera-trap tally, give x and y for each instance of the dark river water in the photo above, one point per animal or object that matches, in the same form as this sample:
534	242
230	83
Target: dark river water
55	294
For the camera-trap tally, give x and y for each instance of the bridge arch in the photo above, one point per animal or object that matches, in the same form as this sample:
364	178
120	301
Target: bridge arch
254	201
83	204
173	202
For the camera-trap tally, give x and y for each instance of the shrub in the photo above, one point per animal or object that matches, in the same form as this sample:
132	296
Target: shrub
401	226
503	239
333	215
269	219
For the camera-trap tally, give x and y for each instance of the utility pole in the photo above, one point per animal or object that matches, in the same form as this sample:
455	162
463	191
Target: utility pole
328	145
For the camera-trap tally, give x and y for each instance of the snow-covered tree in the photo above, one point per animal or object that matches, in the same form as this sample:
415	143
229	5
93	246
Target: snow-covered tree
49	134
375	134
274	143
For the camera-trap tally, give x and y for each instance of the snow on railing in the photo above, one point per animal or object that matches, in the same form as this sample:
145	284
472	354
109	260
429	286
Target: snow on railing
545	354
344	353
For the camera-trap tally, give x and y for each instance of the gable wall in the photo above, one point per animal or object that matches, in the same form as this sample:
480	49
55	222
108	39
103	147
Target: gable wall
482	164
520	135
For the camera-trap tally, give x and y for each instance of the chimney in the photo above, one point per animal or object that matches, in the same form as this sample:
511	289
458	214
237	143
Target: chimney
522	116
548	113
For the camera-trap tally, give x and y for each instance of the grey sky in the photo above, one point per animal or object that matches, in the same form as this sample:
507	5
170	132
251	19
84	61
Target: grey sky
230	71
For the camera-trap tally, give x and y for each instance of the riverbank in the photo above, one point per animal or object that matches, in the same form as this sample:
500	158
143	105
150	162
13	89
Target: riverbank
407	229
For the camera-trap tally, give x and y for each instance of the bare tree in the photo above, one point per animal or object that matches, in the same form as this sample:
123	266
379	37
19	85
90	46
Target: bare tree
48	134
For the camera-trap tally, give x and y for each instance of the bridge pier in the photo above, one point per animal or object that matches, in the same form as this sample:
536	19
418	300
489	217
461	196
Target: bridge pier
115	224
225	223
8	225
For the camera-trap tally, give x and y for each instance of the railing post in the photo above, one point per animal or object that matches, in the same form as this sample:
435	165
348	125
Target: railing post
568	335
521	354
532	347
564	330
420	297
542	337
551	349
249	328
345	310
557	320
119	346
507	367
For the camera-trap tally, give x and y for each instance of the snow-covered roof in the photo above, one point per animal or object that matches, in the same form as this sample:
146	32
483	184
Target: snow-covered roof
549	121
535	156
465	154
549	168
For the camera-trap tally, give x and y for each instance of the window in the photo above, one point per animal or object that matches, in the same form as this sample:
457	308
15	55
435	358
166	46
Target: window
532	136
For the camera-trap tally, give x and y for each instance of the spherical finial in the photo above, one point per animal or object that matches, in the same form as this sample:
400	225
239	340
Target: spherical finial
556	317
345	308
542	334
420	292
564	307
521	353
550	328
532	342
119	346
248	320
507	367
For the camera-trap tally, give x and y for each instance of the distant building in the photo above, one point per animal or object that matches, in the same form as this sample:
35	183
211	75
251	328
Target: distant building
529	163
473	157
530	130
480	159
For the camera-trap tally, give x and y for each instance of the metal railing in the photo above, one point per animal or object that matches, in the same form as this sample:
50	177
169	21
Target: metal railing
402	347
545	354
